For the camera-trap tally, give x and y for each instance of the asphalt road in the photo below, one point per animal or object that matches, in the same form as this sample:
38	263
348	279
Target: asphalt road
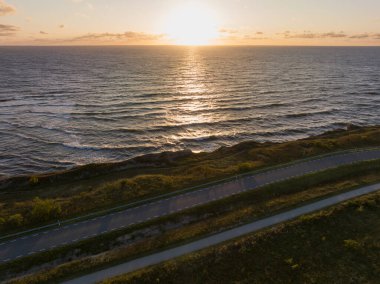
220	237
72	233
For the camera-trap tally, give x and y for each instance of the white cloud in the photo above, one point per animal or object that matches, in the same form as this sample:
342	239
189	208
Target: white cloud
6	8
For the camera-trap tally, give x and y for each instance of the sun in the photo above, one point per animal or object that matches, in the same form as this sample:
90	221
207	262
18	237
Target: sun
191	24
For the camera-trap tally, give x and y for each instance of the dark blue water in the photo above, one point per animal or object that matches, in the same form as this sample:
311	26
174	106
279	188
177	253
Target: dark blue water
65	106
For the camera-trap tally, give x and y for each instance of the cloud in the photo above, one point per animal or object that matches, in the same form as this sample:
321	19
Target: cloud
253	36
240	36
311	35
330	35
304	35
334	35
250	37
129	36
228	31
360	36
366	36
43	33
6	8
7	30
104	39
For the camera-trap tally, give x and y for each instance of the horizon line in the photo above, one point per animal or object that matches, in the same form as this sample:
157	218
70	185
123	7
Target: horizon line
180	45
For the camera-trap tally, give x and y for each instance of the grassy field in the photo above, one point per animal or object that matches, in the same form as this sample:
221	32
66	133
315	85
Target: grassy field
37	200
338	245
108	249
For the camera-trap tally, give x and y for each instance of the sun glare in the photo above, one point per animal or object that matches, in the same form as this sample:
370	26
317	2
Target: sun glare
192	24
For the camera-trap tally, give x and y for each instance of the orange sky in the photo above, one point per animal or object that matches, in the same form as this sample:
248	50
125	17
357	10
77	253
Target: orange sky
217	22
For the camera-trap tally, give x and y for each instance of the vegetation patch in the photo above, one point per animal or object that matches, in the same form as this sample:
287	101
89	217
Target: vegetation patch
182	227
338	245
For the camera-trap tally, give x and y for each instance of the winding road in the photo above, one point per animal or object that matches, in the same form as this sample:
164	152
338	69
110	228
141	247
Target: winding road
49	239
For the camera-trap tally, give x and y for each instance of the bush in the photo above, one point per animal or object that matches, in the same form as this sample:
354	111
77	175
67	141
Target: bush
33	180
351	244
15	220
2	222
245	167
202	172
44	210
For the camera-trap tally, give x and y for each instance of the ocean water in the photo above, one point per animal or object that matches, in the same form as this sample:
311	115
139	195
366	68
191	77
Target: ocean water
67	106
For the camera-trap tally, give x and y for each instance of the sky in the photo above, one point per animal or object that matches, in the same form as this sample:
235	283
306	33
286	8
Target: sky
190	22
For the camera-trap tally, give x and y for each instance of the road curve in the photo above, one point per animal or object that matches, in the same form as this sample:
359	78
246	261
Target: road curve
39	242
220	237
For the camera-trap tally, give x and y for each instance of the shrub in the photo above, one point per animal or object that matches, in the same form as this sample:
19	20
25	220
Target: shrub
44	210
202	172
351	244
289	261
245	167
295	266
33	180
15	220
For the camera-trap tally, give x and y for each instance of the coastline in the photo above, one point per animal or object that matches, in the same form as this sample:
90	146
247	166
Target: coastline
151	161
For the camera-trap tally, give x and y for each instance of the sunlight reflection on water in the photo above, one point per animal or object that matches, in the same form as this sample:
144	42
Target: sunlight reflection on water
61	107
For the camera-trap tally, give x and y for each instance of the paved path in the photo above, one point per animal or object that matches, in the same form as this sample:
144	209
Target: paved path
220	237
49	239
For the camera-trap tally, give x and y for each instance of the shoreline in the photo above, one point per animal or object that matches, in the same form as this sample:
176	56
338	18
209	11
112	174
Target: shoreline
72	165
154	160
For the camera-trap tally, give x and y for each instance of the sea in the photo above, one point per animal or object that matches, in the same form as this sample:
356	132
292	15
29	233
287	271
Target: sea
61	107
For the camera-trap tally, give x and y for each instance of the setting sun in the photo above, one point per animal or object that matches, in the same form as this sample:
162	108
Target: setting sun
191	24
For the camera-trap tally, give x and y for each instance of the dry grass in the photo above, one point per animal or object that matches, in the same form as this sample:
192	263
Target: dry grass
338	245
102	251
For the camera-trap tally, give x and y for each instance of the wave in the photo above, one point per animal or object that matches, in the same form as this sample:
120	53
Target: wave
373	93
20	126
220	123
5	100
155	95
204	138
173	127
311	113
105	147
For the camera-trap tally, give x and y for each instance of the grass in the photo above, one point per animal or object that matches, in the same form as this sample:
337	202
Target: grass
338	245
96	187
106	250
